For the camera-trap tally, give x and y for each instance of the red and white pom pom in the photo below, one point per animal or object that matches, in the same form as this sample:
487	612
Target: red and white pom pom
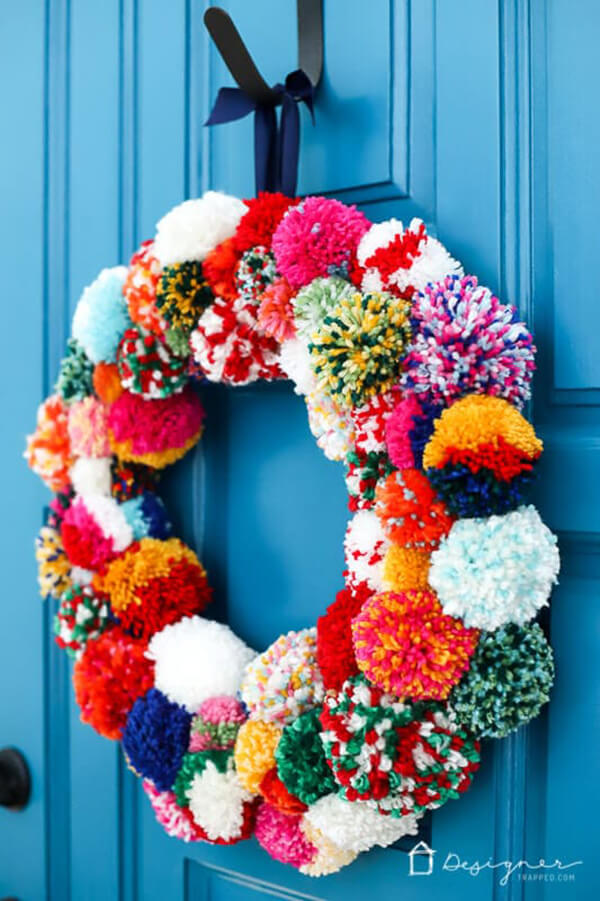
219	804
369	422
365	547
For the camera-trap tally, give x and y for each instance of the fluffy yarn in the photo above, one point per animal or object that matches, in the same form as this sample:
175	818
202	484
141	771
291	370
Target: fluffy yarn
87	428
176	821
81	616
254	273
365	547
254	752
330	426
409	510
335	653
156	737
263	214
107	382
195	227
53	564
94	530
182	293
405	568
91	475
358	826
147	516
364	471
101	316
75	374
282	838
275	313
294	360
316	301
301	761
139	289
217	723
147	367
370	423
48	450
329	859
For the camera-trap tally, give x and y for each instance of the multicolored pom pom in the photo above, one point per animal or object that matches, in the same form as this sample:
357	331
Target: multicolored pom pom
54	569
94	531
147	367
87	426
217	723
254	273
82	615
139	289
410	512
48	452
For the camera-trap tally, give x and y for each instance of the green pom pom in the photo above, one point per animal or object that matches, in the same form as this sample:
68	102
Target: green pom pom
507	683
182	294
301	762
313	303
75	374
81	616
195	762
177	342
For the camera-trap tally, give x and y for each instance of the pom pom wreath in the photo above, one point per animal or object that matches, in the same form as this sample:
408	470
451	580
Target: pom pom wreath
275	313
48	450
370	423
75	374
358	349
402	260
284	681
182	293
364	470
82	615
282	838
262	216
155	583
316	301
365	547
481	456
276	794
101	316
330	426
301	762
139	289
156	432
53	564
91	475
254	273
219	268
403	757
196	659
156	737
358	827
407	646
410	512
94	530
508	681
335	653
147	516
467	342
107	382
294	359
146	366
254	752
87	428
318	237
217	723
229	348
192	229
111	674
405	568
329	859
496	570
176	821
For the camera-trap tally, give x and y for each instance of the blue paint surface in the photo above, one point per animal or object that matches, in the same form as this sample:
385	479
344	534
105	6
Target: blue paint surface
477	116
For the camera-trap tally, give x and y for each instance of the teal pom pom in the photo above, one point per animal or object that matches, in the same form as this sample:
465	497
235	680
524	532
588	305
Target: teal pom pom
75	375
101	316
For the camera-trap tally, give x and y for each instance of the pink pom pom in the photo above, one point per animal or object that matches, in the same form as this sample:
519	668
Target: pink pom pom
275	314
222	708
88	428
175	820
397	427
281	837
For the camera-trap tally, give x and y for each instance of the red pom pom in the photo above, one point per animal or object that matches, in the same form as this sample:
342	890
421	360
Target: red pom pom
219	269
276	794
335	653
258	224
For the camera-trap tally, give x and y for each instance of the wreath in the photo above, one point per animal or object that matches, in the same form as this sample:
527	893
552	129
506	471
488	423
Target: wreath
340	736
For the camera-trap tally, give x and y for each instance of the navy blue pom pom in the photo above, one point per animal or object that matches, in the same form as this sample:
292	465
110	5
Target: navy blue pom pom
156	737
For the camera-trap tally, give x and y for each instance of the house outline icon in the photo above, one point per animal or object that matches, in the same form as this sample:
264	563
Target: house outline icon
418	853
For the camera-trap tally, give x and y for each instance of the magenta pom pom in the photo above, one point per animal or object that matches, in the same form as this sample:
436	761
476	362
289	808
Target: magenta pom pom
281	837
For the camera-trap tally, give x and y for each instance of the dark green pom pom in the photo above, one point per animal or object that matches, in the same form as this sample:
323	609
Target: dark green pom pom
301	762
75	374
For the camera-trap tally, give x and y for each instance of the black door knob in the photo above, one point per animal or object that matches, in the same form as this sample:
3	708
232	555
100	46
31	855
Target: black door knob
15	781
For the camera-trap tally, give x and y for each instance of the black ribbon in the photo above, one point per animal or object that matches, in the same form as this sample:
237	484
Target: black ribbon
276	144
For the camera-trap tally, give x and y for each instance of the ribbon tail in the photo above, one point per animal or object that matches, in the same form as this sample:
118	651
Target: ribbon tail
265	148
231	104
288	146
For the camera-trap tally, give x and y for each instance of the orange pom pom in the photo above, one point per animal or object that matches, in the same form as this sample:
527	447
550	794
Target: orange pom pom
48	450
219	268
410	511
107	383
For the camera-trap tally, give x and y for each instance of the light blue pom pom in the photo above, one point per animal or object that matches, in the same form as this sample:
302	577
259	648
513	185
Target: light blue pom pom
101	316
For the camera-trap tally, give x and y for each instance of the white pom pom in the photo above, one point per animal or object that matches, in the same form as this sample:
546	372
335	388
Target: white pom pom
365	546
294	359
194	228
356	826
110	518
81	576
196	659
91	475
217	801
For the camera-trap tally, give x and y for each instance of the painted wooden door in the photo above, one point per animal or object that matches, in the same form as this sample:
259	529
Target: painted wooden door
477	115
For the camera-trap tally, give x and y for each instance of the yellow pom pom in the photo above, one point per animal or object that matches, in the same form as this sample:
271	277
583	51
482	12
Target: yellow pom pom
405	568
254	752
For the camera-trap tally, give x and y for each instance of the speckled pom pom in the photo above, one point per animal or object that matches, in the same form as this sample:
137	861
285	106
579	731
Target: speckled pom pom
254	273
182	294
467	342
358	826
192	229
147	367
88	422
318	237
365	547
407	646
404	757
358	349
301	762
255	752
285	680
155	583
363	473
316	301
481	456
53	564
110	675
275	313
370	423
217	723
282	838
496	570
48	450
176	821
139	289
508	681
101	316
405	568
82	615
94	531
330	426
411	514
75	374
335	653
156	737
155	432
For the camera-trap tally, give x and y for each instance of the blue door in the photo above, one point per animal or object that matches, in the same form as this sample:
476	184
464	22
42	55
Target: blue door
481	118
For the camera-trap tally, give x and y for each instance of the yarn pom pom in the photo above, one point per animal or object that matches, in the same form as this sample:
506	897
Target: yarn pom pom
182	293
75	374
316	301
131	480
282	838
176	821
48	450
508	681
330	426
255	752
219	268
53	564
110	675
301	762
82	615
192	229
156	432
87	428
409	510
294	359
156	737
402	260
94	530
329	859
407	646
147	367
275	313
147	516
254	273
285	680
318	237
481	456
217	723
155	583
276	794
467	342
370	423
107	382
405	568
263	214
196	659
139	289
397	432
101	316
91	475
404	757
358	826
496	570
335	653
357	351
365	546
364	470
